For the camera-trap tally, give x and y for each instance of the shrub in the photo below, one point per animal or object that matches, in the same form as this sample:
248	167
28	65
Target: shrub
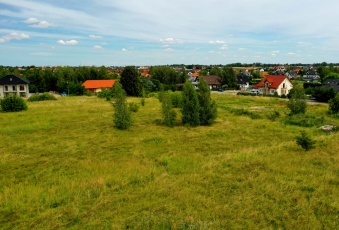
334	104
106	93
273	116
142	101
240	112
122	115
41	97
304	120
176	99
297	102
168	112
323	94
133	107
305	141
13	104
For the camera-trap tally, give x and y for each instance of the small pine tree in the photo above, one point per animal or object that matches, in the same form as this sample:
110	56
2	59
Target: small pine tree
305	141
169	113
297	103
334	104
122	114
207	107
190	105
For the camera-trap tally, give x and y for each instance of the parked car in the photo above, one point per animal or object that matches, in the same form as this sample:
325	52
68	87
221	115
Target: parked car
254	91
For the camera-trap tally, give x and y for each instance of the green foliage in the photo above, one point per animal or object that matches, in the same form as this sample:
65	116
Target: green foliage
122	115
41	97
133	107
106	93
334	104
142	101
176	99
305	141
273	116
229	78
165	75
304	120
13	104
168	112
297	102
190	105
323	94
131	82
207	107
241	112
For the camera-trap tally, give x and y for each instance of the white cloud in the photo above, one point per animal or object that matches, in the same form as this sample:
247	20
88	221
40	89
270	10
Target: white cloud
42	24
94	36
170	41
242	49
70	42
217	42
168	50
224	47
124	50
15	36
97	47
36	23
32	20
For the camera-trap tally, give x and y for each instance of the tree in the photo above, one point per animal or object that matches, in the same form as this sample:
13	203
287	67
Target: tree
207	107
168	112
228	77
131	82
334	104
190	108
297	102
122	114
305	141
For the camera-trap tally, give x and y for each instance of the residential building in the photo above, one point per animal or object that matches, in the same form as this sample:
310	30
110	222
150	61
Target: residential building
272	84
13	85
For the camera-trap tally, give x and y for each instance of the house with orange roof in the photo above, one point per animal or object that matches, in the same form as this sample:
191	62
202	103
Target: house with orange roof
272	84
95	86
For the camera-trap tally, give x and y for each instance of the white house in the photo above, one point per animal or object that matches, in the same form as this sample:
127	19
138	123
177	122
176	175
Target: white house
272	84
13	85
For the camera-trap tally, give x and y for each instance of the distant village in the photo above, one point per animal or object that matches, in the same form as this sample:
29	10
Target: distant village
258	78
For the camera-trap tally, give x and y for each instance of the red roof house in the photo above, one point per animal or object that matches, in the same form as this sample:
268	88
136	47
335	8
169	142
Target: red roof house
272	84
95	86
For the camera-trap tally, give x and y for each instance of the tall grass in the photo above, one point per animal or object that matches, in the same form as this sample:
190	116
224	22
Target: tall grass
64	165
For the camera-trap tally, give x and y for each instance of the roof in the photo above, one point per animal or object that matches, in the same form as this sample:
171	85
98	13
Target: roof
213	79
332	83
274	80
242	78
13	80
97	84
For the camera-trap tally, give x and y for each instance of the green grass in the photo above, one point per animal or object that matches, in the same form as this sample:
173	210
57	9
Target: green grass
63	165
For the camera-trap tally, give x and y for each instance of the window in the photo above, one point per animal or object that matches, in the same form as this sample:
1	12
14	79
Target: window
6	88
22	88
14	88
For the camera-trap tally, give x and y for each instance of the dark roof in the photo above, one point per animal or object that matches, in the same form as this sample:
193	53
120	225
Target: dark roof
242	78
12	80
213	80
332	83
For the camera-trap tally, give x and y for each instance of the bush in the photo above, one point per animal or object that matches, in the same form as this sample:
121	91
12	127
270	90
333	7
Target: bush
133	107
106	93
122	115
334	105
142	101
176	98
305	141
297	101
240	112
273	116
323	94
304	120
13	104
42	97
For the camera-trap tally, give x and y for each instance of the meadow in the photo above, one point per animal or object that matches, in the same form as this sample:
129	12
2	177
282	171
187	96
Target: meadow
63	165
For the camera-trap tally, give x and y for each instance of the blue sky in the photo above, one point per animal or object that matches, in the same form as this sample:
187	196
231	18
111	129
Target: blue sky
157	32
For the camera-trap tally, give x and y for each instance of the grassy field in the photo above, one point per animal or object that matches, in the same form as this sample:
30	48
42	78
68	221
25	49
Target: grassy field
64	166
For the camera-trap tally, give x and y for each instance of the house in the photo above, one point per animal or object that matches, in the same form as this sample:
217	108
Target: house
213	81
311	76
332	83
95	86
13	85
291	75
272	84
243	81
